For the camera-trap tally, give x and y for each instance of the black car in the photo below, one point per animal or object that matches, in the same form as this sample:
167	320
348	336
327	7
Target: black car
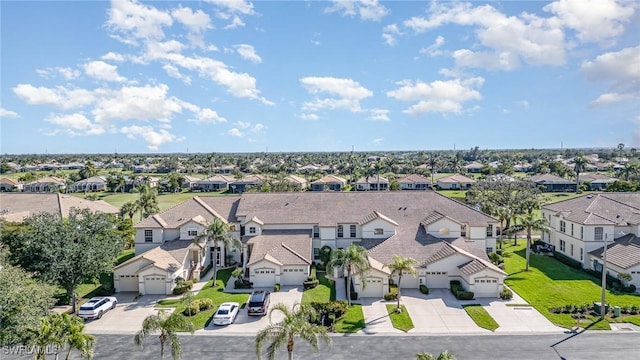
258	302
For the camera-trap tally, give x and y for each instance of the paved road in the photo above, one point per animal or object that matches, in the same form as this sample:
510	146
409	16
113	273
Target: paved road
585	346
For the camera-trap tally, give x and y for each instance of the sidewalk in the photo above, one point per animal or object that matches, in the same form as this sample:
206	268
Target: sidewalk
341	290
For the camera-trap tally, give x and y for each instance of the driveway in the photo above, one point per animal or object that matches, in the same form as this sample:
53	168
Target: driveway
376	317
246	324
128	315
438	312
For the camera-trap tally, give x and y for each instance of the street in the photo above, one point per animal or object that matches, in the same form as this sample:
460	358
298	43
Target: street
584	346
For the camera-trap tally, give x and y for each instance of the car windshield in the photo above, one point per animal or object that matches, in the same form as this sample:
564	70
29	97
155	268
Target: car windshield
90	307
223	312
255	304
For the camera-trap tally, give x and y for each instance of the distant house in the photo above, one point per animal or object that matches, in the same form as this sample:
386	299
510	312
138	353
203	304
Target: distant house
523	167
372	183
214	183
246	183
553	183
92	184
18	206
597	182
454	182
414	182
329	183
47	184
474	168
9	185
297	180
227	169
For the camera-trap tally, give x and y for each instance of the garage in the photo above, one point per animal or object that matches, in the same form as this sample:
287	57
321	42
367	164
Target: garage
264	277
128	283
293	275
155	285
408	281
373	287
437	280
485	287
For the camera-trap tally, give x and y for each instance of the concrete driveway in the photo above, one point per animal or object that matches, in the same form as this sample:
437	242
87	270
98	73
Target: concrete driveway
376	317
246	324
128	315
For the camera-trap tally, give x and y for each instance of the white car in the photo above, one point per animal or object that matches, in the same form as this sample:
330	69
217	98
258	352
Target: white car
96	307
226	313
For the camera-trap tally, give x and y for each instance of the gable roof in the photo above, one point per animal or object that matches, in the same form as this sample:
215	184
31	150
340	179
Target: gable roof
376	215
548	179
414	178
600	209
207	207
624	252
216	180
372	180
18	206
456	178
330	179
10	181
282	247
296	179
169	255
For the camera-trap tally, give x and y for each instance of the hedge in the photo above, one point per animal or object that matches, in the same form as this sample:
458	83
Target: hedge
458	291
567	260
310	283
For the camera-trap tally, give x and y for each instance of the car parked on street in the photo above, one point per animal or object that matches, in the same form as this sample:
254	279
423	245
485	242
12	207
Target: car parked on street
96	307
258	302
226	313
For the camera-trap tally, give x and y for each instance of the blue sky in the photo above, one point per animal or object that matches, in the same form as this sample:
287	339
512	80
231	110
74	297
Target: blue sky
239	76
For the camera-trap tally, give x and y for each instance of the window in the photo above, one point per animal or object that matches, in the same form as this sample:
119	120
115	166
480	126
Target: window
598	233
316	231
148	236
352	230
192	232
571	252
340	231
252	230
562	245
490	230
378	231
316	253
563	226
571	229
581	254
581	232
489	250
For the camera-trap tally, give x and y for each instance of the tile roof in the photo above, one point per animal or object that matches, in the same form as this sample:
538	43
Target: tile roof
376	215
207	207
216	180
330	179
17	206
6	180
283	247
472	267
414	178
548	179
624	252
621	209
170	255
372	180
456	178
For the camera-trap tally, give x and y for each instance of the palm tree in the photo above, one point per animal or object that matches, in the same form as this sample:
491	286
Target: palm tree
433	163
296	323
402	265
50	331
353	259
217	233
77	339
147	200
129	209
629	170
531	222
502	213
168	325
580	165
445	355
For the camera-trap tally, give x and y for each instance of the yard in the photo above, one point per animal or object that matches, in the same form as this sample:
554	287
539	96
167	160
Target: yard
551	284
401	321
217	295
480	316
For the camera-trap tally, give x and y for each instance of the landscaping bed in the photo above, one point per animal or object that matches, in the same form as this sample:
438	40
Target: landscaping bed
401	321
481	317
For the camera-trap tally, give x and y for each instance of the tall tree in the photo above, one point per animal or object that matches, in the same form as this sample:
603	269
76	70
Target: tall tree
531	222
167	325
353	259
434	164
77	339
402	266
69	251
129	209
580	164
60	331
217	233
147	200
296	324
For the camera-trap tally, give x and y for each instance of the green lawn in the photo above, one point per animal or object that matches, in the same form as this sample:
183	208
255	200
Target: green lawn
400	321
549	283
324	292
352	321
459	195
216	294
124	256
480	316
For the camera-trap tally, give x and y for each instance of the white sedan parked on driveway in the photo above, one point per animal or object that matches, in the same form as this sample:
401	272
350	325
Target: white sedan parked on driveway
226	313
96	307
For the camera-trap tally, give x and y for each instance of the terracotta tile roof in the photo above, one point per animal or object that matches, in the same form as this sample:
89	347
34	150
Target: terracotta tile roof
26	204
10	181
624	252
170	255
283	247
296	179
622	209
414	178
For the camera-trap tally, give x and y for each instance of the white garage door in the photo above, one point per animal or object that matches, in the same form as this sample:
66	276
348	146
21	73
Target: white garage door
264	277
155	285
128	283
373	287
437	280
293	275
409	281
486	287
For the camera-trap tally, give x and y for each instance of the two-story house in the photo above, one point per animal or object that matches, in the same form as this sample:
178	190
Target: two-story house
581	226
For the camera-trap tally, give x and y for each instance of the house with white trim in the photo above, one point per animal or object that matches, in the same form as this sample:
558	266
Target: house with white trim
414	182
328	183
454	182
581	226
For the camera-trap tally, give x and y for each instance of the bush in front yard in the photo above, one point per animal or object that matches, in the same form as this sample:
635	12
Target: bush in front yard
182	288
313	274
506	294
310	283
192	309
390	296
205	304
424	289
465	295
242	284
276	287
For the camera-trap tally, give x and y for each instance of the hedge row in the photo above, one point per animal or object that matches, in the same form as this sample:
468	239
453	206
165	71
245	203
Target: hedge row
458	291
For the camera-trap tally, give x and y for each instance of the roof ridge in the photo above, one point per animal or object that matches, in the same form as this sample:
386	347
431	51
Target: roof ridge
295	252
209	209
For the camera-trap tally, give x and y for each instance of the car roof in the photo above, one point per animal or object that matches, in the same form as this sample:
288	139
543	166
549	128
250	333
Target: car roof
229	304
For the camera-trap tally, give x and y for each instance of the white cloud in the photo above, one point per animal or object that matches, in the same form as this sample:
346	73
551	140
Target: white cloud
102	71
379	115
248	52
175	73
235	23
308	117
208	116
68	73
75	124
4	113
235	132
153	138
196	22
258	128
148	102
377	141
438	96
137	21
433	49
347	93
524	104
111	56
234	6
593	20
62	97
620	71
370	10
243	124
389	34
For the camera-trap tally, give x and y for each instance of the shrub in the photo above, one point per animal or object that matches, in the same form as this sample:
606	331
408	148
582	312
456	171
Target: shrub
205	304
328	312
506	294
276	287
242	284
310	284
628	289
567	260
390	296
192	309
182	287
424	289
194	280
354	296
465	295
499	252
312	273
